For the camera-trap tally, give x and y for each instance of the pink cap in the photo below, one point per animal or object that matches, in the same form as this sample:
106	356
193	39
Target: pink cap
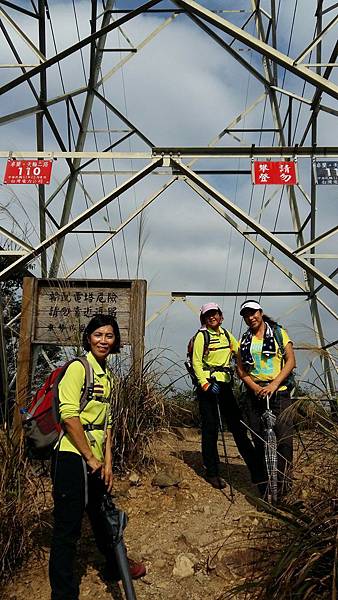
209	306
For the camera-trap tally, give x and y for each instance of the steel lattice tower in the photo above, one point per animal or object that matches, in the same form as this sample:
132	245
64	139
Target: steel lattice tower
107	157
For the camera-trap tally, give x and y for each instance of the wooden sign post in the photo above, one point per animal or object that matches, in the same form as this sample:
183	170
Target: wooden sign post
56	312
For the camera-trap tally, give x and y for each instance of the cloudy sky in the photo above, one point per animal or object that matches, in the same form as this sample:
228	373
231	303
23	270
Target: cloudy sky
179	89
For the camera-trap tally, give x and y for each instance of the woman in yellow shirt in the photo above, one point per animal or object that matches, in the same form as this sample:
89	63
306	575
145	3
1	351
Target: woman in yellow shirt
82	461
264	370
212	370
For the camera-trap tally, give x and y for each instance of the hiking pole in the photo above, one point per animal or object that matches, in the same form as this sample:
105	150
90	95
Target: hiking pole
270	450
122	560
225	451
115	521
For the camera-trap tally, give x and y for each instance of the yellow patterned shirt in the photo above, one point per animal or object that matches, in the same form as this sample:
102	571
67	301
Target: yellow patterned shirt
266	368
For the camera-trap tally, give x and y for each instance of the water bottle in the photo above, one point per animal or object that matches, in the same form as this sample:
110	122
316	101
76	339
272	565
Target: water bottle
25	417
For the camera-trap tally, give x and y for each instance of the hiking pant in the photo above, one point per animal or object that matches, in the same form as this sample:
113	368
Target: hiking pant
284	433
69	481
231	415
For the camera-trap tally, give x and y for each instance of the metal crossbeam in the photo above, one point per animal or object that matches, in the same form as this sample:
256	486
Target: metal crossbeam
316	41
321	238
80	219
243	216
186	152
112	234
81	44
23	36
265	49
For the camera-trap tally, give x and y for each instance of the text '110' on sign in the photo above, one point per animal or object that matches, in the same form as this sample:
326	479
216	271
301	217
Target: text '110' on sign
36	172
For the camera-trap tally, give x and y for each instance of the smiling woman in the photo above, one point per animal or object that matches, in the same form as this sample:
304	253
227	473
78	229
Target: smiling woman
82	460
101	342
265	361
102	337
217	403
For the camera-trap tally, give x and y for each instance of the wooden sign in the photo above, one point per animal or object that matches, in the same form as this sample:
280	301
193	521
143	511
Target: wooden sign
64	308
28	171
270	172
56	312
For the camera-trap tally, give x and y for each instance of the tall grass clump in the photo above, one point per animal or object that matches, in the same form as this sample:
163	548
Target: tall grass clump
144	405
296	544
138	411
182	409
19	507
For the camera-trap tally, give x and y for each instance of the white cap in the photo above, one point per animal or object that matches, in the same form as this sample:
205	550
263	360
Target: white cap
209	306
250	304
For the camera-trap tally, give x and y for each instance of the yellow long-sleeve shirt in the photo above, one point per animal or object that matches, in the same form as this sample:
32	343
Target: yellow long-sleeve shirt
219	355
70	391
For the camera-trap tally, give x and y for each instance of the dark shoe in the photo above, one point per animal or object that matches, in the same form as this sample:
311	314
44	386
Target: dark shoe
217	482
137	570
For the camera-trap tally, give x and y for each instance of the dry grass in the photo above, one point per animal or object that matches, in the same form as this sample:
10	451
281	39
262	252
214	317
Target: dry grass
19	512
137	412
296	546
182	410
142	406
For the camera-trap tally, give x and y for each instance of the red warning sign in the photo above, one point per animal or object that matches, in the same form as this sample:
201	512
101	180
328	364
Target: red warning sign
28	171
270	172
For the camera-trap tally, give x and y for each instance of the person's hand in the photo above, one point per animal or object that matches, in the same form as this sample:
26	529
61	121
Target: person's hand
257	389
94	464
107	476
268	390
214	388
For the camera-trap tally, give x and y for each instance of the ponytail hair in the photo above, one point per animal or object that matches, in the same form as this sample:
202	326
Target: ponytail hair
269	320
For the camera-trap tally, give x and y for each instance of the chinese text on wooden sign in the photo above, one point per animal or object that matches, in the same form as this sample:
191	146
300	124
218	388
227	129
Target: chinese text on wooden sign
65	307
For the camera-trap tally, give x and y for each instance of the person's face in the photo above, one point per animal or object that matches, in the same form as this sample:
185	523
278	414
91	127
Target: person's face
213	319
253	318
101	342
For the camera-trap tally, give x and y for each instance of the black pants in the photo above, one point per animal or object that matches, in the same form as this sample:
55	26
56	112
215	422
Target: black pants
68	477
231	415
283	428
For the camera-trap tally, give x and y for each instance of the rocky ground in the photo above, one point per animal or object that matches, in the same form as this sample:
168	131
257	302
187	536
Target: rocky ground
190	536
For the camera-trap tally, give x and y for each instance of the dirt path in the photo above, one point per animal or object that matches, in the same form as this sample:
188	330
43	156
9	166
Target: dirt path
188	534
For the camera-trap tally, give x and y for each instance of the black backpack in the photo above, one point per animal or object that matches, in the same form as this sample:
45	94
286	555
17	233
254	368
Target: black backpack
290	380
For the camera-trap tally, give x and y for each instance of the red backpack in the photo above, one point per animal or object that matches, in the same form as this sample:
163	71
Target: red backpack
41	420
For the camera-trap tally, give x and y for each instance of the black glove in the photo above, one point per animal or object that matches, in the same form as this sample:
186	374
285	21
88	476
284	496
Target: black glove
215	388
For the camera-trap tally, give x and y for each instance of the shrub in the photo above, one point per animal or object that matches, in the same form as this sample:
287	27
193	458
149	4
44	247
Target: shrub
19	512
296	545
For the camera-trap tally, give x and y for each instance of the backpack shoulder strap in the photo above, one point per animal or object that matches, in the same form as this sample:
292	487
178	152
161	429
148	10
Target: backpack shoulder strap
227	335
277	332
87	393
206	340
206	336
